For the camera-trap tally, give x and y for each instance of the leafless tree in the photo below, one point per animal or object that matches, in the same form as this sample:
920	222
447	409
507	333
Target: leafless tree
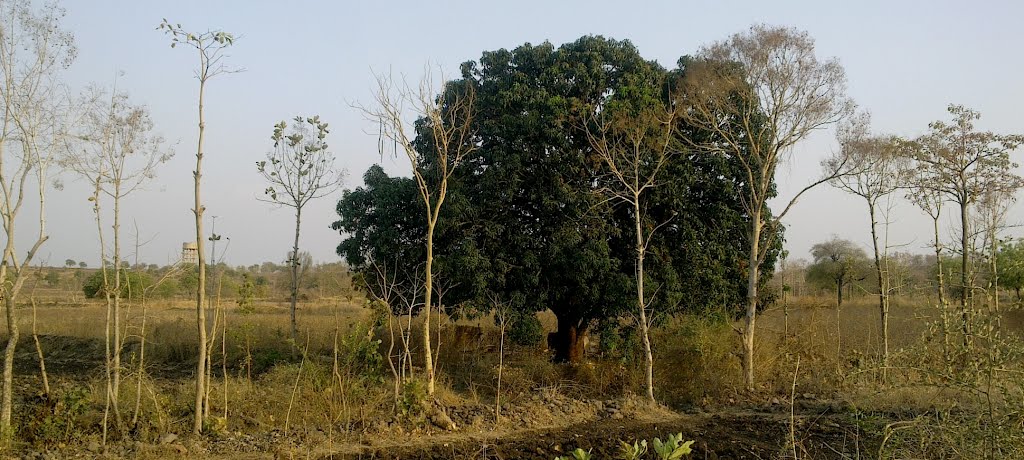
444	115
634	149
33	50
299	169
210	46
116	151
877	173
758	94
962	164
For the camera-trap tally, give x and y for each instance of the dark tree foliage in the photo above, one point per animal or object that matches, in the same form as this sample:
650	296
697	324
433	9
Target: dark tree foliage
526	224
383	225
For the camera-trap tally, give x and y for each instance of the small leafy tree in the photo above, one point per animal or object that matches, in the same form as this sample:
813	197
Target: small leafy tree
1011	266
210	46
837	263
878	172
299	169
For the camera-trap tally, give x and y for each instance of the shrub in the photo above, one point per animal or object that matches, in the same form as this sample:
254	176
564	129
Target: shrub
525	330
132	283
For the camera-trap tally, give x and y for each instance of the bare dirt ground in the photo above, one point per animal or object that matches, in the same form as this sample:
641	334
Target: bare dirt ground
819	430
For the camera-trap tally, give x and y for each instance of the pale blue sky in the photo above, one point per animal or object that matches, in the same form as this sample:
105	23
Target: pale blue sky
905	62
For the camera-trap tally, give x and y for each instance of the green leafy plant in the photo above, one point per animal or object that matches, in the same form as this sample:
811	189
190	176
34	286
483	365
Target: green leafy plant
578	454
633	451
673	448
414	393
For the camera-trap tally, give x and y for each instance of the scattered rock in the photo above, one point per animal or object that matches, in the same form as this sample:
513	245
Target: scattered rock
440	419
94	446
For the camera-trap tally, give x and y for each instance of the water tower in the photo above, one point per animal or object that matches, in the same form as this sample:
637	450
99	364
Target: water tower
189	253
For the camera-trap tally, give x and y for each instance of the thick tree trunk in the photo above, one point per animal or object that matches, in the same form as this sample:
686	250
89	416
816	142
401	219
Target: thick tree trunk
569	340
753	265
12	343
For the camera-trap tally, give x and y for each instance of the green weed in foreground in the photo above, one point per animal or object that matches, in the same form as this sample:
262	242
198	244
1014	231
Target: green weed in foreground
672	448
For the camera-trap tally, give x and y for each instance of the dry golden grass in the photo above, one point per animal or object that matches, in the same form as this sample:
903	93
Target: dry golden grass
268	388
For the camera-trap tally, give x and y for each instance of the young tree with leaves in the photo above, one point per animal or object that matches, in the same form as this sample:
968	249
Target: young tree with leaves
440	141
838	263
1011	266
759	93
299	169
961	164
210	46
877	173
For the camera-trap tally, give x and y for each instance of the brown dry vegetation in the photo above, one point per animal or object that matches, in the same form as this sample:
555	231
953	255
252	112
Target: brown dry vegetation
337	398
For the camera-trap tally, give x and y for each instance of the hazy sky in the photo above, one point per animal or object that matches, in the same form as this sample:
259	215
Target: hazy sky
906	61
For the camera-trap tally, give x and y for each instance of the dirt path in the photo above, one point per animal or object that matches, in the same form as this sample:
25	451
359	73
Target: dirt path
725	435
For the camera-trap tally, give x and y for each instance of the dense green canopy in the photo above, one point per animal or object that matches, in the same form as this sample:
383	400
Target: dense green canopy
525	223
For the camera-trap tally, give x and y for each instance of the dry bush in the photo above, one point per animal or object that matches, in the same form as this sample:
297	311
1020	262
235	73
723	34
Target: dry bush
695	359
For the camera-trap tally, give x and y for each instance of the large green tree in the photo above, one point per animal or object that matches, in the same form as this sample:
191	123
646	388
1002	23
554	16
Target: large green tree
526	223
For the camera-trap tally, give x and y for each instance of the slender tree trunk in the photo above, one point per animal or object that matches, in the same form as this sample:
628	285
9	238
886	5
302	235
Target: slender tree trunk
993	266
967	294
39	351
295	277
503	318
197	425
428	290
839	293
883	294
115	386
108	360
142	363
941	291
839	323
641	303
753	263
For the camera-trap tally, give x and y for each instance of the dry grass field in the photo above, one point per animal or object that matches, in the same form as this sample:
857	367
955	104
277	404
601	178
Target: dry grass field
334	396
